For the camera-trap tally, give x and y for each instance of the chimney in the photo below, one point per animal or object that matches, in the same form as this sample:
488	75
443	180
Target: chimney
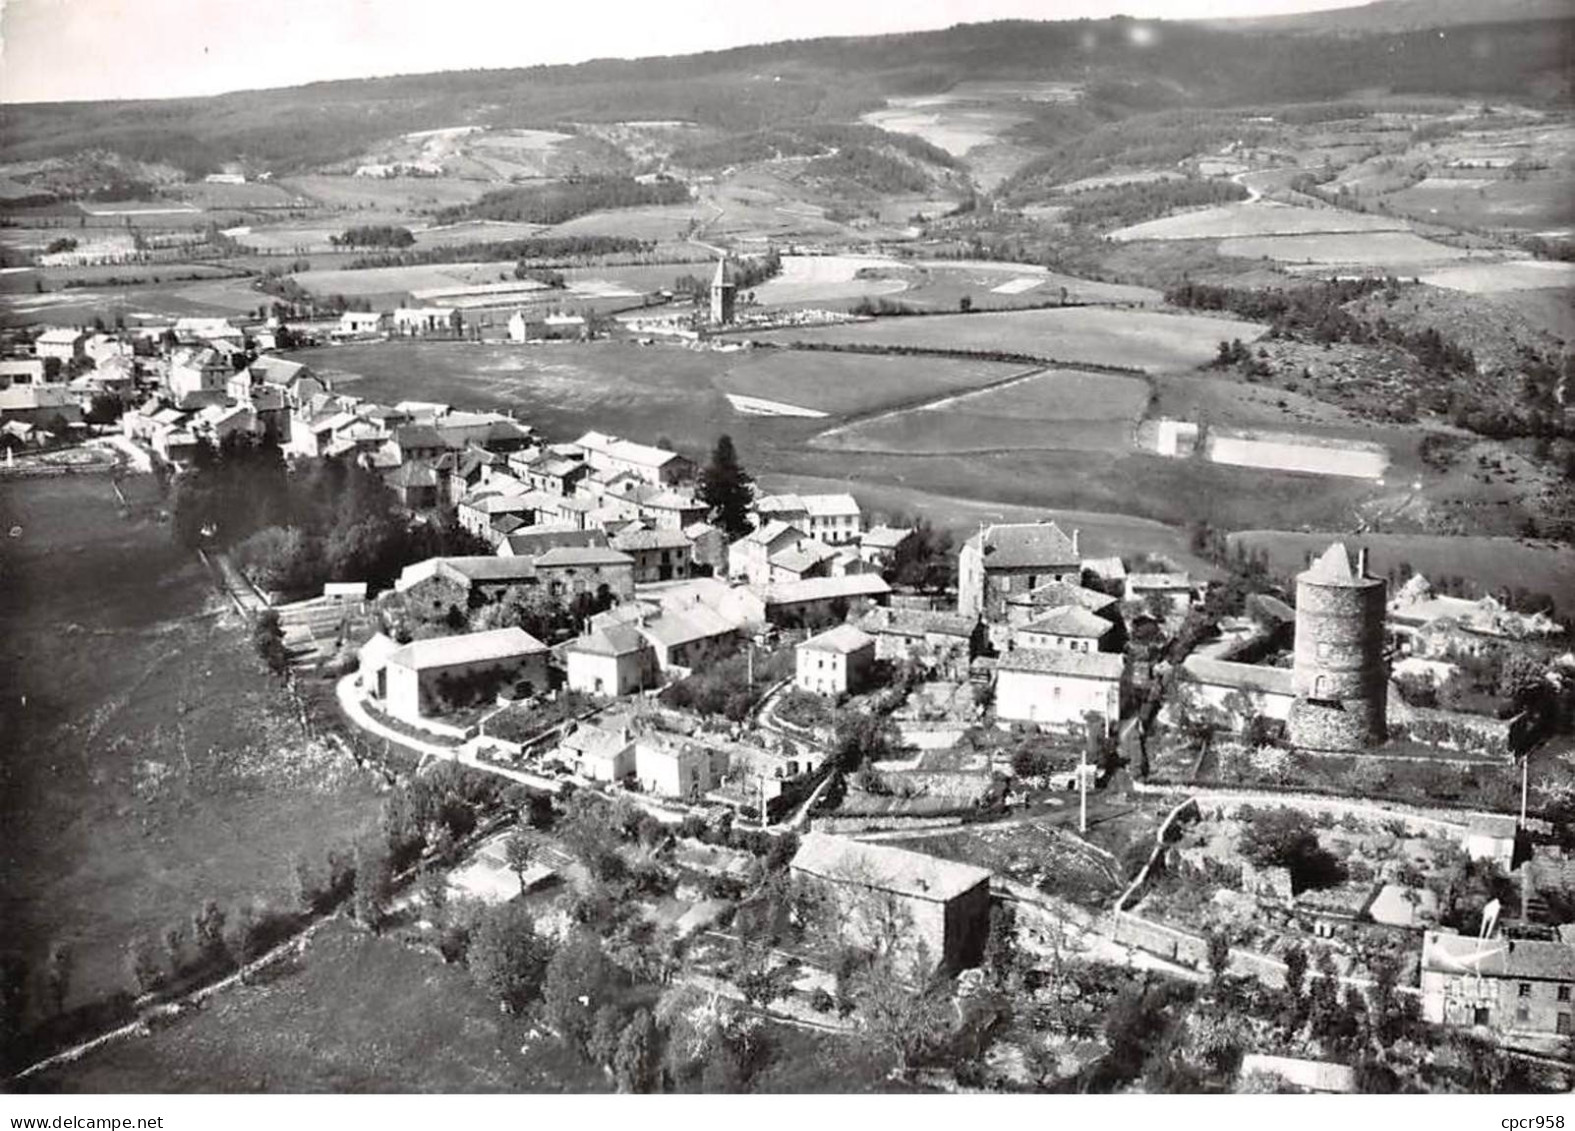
1075	536
1361	561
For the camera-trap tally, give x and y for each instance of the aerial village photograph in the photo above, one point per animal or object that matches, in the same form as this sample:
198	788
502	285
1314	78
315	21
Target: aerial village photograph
996	549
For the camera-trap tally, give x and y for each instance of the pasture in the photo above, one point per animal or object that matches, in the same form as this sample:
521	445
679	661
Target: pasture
402	194
820	278
661	223
328	1023
1256	218
1057	410
1498	278
384	281
1136	339
845	383
152	763
1395	250
1490	564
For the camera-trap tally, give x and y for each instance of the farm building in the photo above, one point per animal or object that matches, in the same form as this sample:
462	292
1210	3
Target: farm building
879	544
1238	690
659	555
614	661
891	897
66	344
1058	689
1513	986
937	639
600	753
836	662
1071	628
362	322
611	455
1170	591
670	766
749	558
422	320
819	598
198	376
1003	560
425	675
833	519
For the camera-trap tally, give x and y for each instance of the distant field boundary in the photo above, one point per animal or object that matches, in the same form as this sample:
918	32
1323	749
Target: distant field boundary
1008	356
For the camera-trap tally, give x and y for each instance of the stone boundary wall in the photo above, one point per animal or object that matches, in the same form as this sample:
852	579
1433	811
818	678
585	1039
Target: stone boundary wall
881	823
1340	803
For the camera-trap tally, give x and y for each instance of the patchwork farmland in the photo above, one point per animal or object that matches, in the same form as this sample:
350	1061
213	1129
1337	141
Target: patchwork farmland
1126	339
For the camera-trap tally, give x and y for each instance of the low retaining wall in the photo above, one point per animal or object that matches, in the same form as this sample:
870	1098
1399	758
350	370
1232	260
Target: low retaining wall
849	825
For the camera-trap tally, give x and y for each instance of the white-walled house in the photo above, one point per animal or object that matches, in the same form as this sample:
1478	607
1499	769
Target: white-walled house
413	678
615	661
836	662
1058	689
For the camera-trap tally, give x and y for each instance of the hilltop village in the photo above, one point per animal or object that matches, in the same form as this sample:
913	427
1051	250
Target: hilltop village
807	750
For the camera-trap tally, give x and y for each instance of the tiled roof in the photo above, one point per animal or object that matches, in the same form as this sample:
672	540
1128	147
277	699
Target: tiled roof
470	648
826	588
886	537
1056	594
1499	958
562	556
1023	545
1054	661
665	539
1242	677
919	622
617	640
843	639
806	555
680	626
641	455
768	532
1159	582
1069	620
897	870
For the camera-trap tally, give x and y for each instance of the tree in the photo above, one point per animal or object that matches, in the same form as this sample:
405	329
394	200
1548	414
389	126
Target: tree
1295	971
902	1012
1219	954
602	1046
143	972
507	957
862	737
578	979
638	1057
517	851
965	304
434	892
725	487
208	933
374	885
59	965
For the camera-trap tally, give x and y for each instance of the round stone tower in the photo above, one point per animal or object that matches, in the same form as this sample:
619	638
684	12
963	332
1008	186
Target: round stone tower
1340	681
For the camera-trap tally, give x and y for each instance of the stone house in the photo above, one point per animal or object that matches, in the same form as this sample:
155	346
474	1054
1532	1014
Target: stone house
1058	689
424	675
1518	987
880	896
613	661
1003	560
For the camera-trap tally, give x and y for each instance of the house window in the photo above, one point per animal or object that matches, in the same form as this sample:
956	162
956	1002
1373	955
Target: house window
1561	1024
1523	1014
1524	989
1480	1017
1564	993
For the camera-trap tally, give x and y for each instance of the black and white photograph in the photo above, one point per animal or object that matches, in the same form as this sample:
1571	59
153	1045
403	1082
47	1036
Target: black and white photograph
1008	549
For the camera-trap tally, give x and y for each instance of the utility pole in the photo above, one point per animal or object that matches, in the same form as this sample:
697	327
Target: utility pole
1525	764
1082	792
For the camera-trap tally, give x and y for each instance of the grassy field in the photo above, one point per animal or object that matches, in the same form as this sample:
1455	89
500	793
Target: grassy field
1489	563
1063	410
377	281
357	1014
664	222
1129	338
1256	218
411	194
1368	249
645	390
1497	278
841	384
1527	205
151	763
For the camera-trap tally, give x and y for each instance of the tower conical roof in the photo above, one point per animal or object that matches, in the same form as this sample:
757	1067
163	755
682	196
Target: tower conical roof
1335	567
723	275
